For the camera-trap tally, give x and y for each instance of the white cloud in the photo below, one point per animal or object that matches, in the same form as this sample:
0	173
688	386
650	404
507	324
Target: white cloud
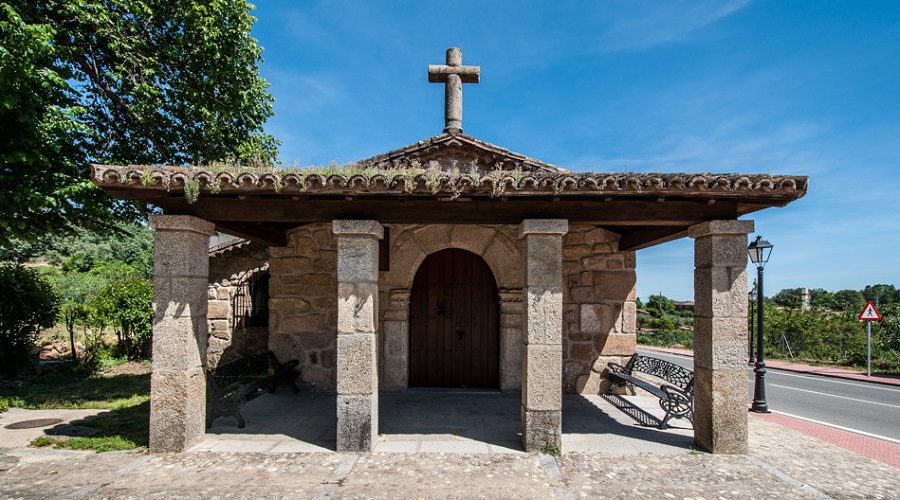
641	25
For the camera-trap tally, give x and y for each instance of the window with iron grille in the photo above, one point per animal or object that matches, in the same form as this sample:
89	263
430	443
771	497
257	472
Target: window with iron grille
250	304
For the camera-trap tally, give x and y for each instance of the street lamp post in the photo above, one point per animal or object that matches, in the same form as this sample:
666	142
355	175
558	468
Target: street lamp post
759	252
751	299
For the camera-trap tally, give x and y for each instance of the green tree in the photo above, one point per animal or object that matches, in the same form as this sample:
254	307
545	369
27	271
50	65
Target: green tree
84	250
76	291
27	304
789	297
821	298
119	81
883	294
849	300
660	304
127	305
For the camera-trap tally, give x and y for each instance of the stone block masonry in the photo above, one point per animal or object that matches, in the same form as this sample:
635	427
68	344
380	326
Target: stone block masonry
303	302
229	274
600	316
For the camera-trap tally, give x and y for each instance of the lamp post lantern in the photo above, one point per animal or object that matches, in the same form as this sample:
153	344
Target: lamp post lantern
759	252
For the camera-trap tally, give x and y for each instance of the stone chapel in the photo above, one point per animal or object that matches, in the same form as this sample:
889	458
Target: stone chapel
450	262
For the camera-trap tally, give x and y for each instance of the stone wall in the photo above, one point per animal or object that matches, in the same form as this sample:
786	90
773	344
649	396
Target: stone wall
599	318
598	297
228	268
303	302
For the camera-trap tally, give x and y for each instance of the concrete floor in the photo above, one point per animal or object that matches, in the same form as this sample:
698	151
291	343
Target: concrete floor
448	421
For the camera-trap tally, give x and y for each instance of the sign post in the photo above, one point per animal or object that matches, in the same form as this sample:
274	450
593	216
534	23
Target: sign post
869	314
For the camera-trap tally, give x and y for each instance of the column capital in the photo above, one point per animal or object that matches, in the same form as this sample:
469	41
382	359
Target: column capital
358	228
186	223
720	227
543	226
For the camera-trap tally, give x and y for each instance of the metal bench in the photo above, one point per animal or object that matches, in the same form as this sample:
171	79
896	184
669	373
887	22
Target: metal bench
676	396
231	385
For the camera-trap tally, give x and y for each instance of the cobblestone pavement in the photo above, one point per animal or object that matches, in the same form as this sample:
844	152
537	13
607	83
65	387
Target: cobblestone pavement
782	463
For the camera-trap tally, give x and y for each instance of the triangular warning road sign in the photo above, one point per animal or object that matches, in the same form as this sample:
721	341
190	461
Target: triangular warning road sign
869	313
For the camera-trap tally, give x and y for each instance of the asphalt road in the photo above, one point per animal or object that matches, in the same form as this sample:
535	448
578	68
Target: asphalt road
862	407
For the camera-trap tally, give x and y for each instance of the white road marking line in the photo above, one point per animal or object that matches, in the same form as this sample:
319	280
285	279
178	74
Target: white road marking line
855	383
839	427
832	395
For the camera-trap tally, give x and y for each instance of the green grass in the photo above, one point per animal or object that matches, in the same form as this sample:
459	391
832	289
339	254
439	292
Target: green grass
98	444
127	396
62	390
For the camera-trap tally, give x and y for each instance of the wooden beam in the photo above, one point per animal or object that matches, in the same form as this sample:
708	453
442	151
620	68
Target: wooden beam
254	232
649	237
478	211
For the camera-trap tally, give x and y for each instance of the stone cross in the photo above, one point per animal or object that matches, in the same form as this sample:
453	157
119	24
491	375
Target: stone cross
453	75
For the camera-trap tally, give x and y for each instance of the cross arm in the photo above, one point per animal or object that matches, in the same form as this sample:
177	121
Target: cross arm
438	73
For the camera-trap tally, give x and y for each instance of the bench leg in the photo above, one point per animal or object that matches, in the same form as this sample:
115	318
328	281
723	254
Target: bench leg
665	422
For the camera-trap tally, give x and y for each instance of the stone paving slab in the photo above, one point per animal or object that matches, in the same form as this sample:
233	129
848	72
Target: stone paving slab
445	422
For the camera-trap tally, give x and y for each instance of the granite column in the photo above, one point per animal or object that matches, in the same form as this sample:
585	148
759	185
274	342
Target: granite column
357	317
542	364
180	284
720	335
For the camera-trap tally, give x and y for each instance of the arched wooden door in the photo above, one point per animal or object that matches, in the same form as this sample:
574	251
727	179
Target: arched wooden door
453	323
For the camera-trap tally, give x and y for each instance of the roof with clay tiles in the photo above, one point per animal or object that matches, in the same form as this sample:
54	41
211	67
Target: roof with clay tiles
449	179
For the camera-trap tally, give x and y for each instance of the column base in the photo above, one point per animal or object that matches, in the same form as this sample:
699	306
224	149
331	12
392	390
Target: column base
177	410
541	428
357	422
720	410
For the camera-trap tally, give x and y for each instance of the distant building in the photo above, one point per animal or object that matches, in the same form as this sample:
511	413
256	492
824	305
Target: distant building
687	305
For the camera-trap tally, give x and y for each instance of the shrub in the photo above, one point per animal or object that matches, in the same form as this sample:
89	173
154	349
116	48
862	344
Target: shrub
27	304
127	305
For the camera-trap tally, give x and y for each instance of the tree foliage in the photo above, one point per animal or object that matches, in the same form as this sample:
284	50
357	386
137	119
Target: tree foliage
119	81
84	250
127	305
27	304
830	330
660	304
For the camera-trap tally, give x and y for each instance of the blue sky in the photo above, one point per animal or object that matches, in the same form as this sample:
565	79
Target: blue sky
805	88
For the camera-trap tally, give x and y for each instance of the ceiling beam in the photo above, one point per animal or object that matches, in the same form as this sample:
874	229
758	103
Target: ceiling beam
254	232
650	236
477	211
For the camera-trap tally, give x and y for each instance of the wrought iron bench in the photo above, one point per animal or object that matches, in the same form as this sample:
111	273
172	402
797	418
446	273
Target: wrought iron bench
231	385
675	397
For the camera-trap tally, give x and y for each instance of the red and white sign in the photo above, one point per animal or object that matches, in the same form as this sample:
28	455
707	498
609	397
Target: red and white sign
869	313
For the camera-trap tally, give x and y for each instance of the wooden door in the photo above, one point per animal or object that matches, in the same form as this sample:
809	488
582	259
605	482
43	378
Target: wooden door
453	324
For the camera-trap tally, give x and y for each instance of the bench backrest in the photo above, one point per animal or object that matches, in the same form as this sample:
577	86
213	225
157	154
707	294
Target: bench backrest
233	371
672	373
